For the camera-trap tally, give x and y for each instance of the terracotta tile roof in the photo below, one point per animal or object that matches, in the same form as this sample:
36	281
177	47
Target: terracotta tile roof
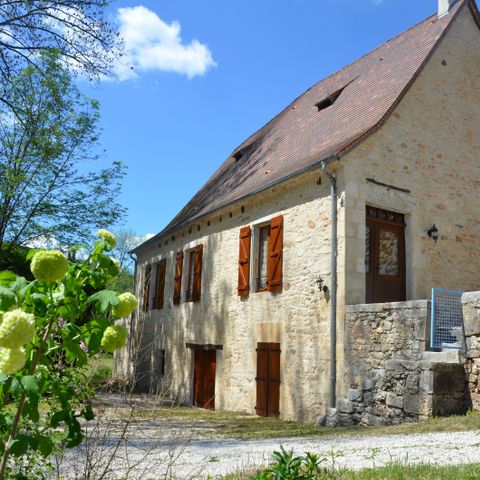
300	136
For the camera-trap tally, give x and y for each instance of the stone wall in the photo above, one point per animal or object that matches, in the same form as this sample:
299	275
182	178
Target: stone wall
393	377
383	331
471	321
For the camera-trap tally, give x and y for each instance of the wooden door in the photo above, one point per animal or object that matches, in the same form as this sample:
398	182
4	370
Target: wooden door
268	380
204	378
384	256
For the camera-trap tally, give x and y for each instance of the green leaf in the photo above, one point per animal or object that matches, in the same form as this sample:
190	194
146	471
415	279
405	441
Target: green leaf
19	445
45	445
30	410
87	413
30	386
8	299
58	417
6	278
32	252
105	299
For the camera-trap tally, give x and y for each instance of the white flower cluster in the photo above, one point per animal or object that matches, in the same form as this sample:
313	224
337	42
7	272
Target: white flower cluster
16	329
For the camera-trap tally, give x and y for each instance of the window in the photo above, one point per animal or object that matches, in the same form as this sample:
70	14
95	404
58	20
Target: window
146	287
194	275
177	281
329	101
262	258
267	265
190	276
159	284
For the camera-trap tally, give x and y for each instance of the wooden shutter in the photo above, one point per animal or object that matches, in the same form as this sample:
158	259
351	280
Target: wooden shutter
275	255
160	284
244	262
177	285
197	274
146	287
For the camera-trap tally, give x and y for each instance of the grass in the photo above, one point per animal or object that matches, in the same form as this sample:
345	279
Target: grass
393	472
243	426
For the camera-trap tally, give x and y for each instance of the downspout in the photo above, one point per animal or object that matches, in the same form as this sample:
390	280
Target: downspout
333	287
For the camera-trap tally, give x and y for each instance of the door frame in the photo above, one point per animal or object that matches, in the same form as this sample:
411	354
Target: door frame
399	222
202	346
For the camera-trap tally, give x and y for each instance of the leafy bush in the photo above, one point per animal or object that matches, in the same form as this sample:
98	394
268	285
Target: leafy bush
49	328
287	466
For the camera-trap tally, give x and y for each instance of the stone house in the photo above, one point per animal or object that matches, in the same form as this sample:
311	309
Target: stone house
364	190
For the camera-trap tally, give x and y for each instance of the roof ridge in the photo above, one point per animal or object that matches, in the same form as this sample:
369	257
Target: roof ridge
366	54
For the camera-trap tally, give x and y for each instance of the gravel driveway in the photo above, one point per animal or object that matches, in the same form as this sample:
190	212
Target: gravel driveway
147	457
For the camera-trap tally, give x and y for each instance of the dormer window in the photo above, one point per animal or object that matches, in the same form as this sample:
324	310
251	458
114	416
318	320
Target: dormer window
329	101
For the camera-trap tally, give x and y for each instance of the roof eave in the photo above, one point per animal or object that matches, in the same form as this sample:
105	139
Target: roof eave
317	164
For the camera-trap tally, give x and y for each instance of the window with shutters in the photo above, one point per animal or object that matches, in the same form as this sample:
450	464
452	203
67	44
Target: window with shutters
194	274
267	257
146	287
177	281
159	284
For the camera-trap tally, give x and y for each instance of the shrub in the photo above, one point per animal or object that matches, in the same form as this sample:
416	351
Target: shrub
50	327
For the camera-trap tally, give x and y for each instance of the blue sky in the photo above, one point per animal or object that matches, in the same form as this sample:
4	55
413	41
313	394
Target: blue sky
209	73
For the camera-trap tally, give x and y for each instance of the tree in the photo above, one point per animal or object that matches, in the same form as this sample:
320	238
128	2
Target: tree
47	192
76	29
127	240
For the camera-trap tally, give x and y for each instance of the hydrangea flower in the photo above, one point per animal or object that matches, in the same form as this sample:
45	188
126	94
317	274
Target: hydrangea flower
11	360
17	329
49	265
114	338
127	304
108	236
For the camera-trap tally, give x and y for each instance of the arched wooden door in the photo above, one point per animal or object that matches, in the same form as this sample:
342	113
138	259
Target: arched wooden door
384	256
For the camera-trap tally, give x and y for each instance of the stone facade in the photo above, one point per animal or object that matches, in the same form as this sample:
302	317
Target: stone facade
424	163
297	318
429	148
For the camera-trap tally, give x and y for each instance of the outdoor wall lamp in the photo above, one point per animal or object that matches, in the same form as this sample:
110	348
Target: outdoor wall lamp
433	233
321	286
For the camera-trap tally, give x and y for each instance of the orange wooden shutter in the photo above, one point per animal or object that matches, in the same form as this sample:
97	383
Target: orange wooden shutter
197	274
177	286
275	255
146	287
244	262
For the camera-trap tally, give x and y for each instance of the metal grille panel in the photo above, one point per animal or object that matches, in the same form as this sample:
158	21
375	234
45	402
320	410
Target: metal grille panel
447	320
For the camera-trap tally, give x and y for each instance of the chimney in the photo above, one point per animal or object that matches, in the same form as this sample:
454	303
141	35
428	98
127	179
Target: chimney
444	7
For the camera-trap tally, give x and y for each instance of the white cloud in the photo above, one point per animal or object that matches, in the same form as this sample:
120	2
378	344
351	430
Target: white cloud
152	44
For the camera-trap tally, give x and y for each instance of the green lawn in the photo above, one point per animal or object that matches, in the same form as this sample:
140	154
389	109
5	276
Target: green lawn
393	472
243	426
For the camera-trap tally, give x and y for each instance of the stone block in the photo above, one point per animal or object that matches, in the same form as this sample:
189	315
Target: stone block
426	382
368	384
344	405
394	401
321	420
355	394
345	420
332	417
416	404
369	419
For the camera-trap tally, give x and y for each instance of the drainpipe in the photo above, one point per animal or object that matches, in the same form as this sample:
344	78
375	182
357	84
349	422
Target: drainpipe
333	288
